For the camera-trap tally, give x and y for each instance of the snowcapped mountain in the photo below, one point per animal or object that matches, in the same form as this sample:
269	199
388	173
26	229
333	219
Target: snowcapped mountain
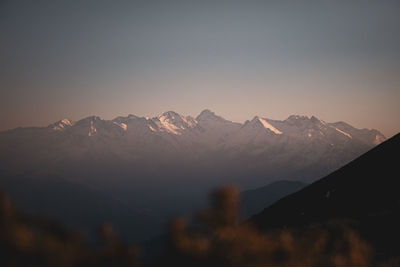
150	162
174	123
61	125
132	137
210	129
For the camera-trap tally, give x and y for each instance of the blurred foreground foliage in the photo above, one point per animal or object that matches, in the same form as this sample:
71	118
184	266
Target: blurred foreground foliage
215	239
29	241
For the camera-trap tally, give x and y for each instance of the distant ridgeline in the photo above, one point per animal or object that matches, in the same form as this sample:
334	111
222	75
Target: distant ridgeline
151	169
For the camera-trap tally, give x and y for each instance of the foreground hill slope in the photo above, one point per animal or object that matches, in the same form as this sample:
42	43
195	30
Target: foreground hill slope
364	191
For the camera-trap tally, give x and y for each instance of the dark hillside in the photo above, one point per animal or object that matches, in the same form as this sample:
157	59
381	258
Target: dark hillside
364	191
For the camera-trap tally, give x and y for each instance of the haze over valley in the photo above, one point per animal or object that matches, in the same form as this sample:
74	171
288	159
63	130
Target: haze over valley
164	166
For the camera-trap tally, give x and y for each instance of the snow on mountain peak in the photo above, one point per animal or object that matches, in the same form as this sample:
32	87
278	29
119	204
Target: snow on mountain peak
167	125
343	132
122	125
267	125
173	122
66	122
92	130
61	125
170	115
215	129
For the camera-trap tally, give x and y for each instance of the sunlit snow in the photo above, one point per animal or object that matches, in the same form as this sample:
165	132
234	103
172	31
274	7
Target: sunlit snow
61	125
66	122
122	125
269	126
93	130
342	132
169	127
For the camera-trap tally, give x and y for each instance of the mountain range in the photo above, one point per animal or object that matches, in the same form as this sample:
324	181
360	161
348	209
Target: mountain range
171	136
164	166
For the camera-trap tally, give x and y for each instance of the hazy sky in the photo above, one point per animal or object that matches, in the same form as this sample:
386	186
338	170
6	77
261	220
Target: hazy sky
337	60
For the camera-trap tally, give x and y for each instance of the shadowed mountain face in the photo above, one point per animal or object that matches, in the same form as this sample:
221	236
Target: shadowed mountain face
78	206
365	191
166	165
254	201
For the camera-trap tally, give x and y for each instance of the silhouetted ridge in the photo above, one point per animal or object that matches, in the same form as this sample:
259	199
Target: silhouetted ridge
365	191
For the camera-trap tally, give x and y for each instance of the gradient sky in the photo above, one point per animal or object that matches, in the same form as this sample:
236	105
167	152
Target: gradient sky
337	60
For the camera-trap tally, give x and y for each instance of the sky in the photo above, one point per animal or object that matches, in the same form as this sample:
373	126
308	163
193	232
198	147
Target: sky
336	60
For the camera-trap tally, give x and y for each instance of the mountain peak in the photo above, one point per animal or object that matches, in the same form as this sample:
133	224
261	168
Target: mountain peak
209	115
170	114
122	119
173	122
265	124
172	117
297	117
66	121
304	121
206	112
61	124
91	118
